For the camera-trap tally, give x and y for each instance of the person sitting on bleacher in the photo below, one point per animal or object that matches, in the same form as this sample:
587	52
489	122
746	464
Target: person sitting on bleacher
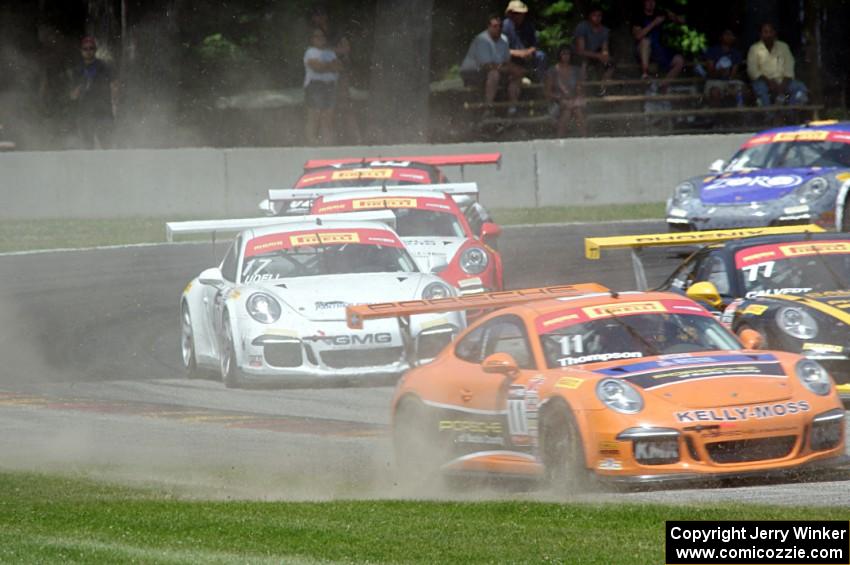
722	62
563	90
647	30
770	66
591	43
522	39
488	63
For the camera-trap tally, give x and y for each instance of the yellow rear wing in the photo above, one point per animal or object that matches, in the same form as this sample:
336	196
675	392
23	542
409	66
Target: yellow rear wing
356	315
593	246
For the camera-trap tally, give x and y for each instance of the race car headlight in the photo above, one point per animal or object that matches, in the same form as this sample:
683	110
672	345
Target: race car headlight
474	260
263	308
813	376
619	396
436	290
684	192
812	190
796	322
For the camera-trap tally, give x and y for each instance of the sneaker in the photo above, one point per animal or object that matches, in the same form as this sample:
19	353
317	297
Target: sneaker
526	81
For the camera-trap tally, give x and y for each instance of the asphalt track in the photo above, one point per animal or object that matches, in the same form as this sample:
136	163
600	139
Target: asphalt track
90	383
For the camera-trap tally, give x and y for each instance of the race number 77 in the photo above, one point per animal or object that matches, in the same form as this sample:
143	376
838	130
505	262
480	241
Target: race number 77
765	270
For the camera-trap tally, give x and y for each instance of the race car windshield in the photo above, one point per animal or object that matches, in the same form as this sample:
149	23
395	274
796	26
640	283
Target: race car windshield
797	275
316	260
411	222
794	154
612	339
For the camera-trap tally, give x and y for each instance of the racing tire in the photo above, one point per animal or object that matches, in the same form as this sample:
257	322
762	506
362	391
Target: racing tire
229	370
187	344
415	445
562	450
845	217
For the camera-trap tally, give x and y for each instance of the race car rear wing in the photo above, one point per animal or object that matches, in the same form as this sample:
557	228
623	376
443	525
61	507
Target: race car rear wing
593	246
356	315
236	225
436	160
452	188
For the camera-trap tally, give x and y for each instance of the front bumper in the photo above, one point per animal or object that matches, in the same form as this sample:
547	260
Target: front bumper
839	462
696	215
330	352
747	440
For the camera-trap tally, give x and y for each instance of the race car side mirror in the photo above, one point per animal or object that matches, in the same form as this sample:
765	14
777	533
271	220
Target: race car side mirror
490	231
705	292
751	339
211	277
501	363
717	166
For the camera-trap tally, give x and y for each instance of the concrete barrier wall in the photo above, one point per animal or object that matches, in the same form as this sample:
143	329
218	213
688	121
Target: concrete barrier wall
230	182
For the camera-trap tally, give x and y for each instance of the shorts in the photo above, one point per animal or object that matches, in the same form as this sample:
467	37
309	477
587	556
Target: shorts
475	78
320	95
594	69
658	54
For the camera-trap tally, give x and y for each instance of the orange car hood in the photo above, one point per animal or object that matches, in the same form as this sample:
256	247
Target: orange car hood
707	380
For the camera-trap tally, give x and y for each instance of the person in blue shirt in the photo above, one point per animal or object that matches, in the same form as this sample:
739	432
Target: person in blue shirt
647	30
722	62
522	40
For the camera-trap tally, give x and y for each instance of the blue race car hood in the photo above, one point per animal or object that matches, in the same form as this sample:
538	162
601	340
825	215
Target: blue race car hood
753	186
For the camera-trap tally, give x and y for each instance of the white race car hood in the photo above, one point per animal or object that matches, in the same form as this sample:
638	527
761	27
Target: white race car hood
433	252
324	298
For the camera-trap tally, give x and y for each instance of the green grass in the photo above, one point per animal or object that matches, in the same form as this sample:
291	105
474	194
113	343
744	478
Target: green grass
55	519
606	213
27	235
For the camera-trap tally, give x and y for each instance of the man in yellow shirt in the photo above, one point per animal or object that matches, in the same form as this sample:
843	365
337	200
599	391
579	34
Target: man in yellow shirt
770	65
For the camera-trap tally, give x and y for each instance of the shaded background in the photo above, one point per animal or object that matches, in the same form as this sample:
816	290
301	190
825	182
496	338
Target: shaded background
218	73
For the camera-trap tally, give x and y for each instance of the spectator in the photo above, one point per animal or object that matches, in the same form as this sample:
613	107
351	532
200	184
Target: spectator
722	62
770	66
522	39
321	70
647	29
591	43
487	63
342	47
94	90
563	89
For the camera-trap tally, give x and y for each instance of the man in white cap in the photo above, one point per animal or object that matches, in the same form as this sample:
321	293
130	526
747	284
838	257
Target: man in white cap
522	39
488	62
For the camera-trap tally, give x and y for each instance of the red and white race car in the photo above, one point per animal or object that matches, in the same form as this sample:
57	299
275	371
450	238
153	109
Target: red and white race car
430	223
382	171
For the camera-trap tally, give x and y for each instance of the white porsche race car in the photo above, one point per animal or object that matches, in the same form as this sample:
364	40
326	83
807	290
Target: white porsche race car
273	312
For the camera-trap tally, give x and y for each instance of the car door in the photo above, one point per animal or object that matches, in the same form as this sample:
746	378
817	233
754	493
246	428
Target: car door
214	296
492	406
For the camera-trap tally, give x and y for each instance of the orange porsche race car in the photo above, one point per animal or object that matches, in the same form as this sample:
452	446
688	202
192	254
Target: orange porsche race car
562	382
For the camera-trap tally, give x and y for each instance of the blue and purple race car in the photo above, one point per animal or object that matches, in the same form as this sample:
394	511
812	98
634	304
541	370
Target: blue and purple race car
783	176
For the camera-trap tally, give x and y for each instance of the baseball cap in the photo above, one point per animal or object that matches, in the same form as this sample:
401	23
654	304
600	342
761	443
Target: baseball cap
517	6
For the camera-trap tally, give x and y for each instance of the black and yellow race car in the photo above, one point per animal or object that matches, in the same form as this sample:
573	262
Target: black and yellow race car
791	284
